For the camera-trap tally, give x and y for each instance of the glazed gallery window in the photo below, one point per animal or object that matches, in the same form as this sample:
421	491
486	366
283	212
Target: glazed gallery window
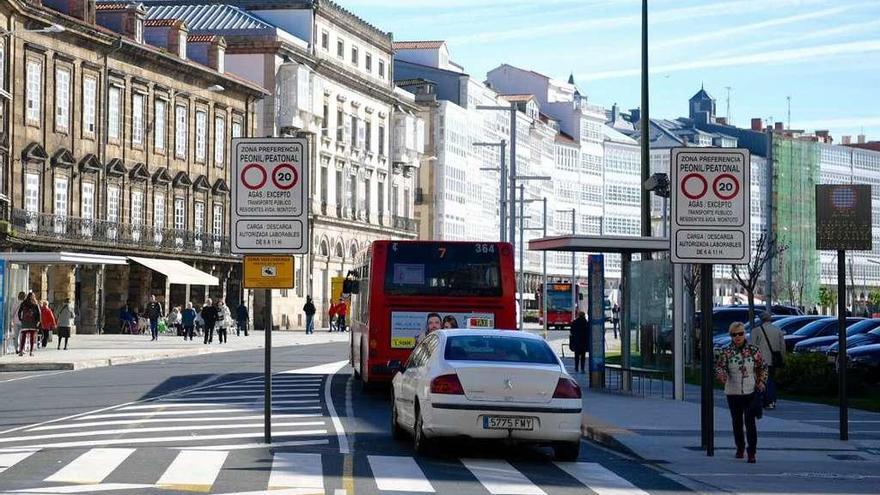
62	99
137	207
236	129
34	91
217	226
112	204
199	217
90	95
87	207
60	204
32	199
159	125
201	134
159	211
180	131
137	119
115	101
219	141
179	213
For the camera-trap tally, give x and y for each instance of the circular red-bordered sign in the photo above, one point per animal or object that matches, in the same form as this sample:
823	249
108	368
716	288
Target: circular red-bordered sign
282	183
722	194
263	176
703	183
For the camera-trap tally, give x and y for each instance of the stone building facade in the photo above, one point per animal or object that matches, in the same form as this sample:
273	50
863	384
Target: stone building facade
115	140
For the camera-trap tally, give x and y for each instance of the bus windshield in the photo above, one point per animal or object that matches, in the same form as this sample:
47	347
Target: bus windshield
559	300
456	269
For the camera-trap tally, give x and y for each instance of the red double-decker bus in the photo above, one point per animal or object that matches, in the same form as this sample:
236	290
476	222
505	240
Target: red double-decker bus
561	303
402	289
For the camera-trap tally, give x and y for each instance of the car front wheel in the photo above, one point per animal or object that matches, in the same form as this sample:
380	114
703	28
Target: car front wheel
567	451
396	430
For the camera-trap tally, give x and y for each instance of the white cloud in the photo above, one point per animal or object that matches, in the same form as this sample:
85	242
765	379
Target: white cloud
837	123
758	58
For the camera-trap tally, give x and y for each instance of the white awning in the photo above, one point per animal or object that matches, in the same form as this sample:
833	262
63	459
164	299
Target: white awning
177	271
63	257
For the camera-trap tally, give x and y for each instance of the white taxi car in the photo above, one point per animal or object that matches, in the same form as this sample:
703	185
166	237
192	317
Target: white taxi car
487	384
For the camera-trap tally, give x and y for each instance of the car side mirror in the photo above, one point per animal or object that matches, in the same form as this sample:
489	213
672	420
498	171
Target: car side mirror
396	367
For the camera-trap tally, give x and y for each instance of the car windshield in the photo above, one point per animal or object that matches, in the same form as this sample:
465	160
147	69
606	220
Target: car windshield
790	325
862	327
812	328
498	348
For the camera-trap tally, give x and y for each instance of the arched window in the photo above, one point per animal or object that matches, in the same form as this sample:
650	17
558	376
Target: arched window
325	250
353	250
339	251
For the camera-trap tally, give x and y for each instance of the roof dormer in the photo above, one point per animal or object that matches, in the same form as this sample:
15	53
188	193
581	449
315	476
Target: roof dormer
207	49
169	34
124	18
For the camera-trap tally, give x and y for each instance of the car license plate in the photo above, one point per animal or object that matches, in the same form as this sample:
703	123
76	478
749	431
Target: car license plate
508	423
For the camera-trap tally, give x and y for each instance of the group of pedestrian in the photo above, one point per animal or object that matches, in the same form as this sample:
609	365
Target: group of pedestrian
188	322
37	317
338	312
747	371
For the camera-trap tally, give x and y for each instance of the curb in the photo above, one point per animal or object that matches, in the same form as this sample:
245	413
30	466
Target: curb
606	439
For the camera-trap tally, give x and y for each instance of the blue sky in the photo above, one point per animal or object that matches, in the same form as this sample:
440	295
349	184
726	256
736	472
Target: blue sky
824	54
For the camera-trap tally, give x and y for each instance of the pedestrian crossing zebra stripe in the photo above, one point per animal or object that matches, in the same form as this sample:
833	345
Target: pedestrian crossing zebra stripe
184	439
194	469
145	420
195	412
9	459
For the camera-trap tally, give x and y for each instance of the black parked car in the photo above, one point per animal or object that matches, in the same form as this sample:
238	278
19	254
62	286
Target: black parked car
819	328
872	337
822	344
867	359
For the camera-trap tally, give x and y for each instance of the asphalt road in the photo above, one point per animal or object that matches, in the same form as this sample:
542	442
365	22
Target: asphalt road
195	424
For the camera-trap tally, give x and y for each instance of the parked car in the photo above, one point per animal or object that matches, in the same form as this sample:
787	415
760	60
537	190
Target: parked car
822	344
788	325
867	359
487	384
872	337
723	316
818	328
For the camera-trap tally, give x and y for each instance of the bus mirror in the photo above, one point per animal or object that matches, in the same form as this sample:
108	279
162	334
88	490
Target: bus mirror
351	287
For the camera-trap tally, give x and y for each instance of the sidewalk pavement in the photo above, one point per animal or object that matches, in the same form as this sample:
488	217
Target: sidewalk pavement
799	450
92	351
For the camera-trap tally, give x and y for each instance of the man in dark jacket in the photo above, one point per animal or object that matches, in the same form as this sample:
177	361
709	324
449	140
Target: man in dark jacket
154	312
209	316
309	310
241	318
578	341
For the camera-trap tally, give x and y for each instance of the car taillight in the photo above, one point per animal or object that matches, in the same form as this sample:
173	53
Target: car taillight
447	384
566	388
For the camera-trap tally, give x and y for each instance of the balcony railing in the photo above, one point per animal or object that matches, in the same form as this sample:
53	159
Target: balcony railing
405	223
63	228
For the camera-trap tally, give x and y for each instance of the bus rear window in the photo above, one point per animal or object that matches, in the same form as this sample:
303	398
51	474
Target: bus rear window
498	349
443	270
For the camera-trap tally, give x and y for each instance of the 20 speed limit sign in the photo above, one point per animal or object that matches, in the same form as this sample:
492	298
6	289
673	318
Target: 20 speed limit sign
270	197
710	205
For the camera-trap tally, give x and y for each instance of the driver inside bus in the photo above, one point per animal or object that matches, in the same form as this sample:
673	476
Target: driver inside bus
432	322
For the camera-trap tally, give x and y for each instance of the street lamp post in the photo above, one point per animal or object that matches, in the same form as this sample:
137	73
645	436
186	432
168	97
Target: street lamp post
502	236
522	202
512	110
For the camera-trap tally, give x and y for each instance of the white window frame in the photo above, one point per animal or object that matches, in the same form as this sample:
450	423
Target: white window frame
62	99
158	216
219	141
137	207
87	207
114	102
181	52
180	213
381	69
236	129
32	199
113	204
201	135
217	220
180	130
61	202
34	91
199	218
89	105
137	119
160	117
139	30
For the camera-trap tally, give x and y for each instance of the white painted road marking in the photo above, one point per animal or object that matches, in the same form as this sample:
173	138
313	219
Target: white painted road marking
91	467
193	470
399	474
200	411
599	479
9	459
500	478
292	470
183	439
212	419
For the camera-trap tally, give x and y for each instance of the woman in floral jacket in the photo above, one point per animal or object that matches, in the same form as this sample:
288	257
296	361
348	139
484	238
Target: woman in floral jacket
742	370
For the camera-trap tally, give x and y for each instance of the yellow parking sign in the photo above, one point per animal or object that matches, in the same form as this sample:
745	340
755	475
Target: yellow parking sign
268	272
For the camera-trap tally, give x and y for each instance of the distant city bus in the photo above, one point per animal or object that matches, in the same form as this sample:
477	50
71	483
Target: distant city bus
400	288
560	303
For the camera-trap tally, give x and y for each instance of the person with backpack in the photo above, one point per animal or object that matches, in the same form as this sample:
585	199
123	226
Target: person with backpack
309	310
771	341
29	316
47	323
154	311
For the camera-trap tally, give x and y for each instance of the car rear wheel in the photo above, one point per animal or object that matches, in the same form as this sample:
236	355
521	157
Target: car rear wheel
421	443
567	451
396	430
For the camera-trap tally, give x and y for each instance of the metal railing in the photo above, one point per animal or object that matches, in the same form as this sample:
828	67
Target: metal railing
405	223
51	227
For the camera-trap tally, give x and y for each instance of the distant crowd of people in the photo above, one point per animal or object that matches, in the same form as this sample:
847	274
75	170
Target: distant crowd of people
36	320
213	317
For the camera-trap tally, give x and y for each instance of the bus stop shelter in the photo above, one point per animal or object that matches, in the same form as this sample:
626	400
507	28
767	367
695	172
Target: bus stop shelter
626	247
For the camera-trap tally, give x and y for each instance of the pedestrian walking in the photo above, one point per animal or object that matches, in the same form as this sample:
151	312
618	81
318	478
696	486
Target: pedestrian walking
615	319
770	340
332	313
309	310
224	321
66	318
154	311
29	316
16	323
209	316
341	310
241	319
740	367
175	321
188	319
47	323
578	341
